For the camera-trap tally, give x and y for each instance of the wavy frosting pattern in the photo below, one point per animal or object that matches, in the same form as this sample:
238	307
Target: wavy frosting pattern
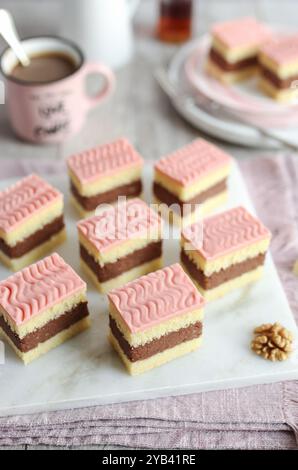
23	199
226	232
156	297
241	32
38	287
192	162
283	50
104	160
115	224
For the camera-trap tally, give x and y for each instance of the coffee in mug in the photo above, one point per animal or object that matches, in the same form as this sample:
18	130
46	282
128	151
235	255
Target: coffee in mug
47	101
45	68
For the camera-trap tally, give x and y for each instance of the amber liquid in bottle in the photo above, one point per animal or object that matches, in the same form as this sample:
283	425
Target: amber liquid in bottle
175	20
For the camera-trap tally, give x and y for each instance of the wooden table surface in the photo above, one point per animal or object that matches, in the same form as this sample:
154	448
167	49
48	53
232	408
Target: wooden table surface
138	108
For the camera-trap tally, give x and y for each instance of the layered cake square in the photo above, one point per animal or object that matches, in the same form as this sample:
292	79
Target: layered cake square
192	179
31	221
101	175
120	243
155	319
234	49
225	251
41	307
279	68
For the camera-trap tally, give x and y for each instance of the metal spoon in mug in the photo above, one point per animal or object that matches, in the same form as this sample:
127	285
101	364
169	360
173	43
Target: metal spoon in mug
9	33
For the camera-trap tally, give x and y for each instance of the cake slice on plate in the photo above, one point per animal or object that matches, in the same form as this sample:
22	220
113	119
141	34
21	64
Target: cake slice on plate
42	306
279	68
234	49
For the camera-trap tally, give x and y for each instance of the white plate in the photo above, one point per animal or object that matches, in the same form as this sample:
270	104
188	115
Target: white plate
85	371
243	97
214	124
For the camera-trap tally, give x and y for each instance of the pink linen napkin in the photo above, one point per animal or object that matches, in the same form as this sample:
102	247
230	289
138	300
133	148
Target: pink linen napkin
258	417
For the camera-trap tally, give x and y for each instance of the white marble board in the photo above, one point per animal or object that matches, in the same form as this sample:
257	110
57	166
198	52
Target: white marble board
85	371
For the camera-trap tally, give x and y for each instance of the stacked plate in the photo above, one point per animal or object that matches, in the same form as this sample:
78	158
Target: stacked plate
229	112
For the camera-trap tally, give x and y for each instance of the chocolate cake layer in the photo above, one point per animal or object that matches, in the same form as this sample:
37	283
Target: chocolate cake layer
224	275
33	240
280	83
231	67
158	345
90	203
112	270
46	332
168	198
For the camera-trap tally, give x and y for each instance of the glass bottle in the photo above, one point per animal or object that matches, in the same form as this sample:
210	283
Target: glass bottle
175	20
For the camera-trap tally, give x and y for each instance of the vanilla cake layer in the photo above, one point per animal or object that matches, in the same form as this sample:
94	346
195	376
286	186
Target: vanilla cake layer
233	76
39	293
124	278
156	331
51	343
16	264
187	192
223	262
104	184
139	367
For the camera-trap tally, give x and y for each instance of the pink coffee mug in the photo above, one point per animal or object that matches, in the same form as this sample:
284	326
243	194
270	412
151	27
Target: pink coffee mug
52	112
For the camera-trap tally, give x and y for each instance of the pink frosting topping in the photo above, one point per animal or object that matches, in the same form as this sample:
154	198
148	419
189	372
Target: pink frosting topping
241	32
38	287
104	160
115	224
282	50
156	298
24	199
225	233
193	162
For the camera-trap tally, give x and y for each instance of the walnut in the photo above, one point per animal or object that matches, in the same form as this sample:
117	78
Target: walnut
272	341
